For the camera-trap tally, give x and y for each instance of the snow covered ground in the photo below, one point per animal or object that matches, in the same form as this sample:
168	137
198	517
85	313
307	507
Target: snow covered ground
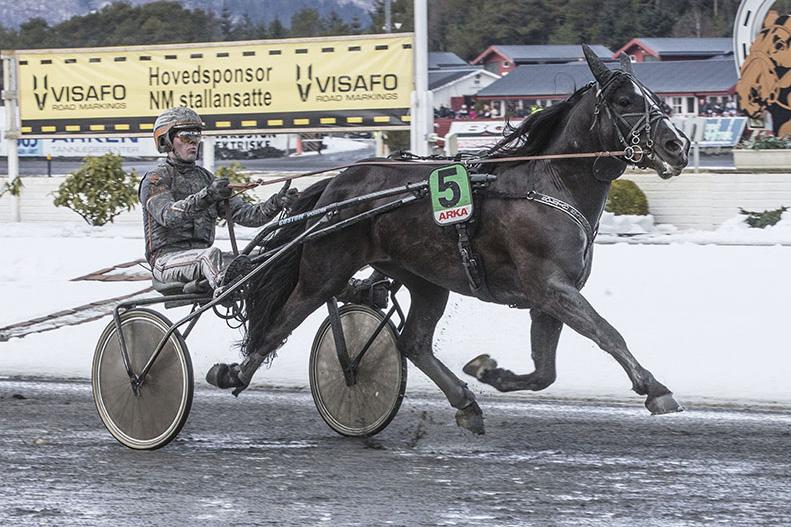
708	320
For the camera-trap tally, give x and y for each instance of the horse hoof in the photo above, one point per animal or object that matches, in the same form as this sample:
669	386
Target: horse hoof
471	418
479	365
664	404
224	376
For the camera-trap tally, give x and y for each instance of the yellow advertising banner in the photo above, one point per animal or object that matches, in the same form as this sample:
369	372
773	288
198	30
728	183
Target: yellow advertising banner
293	84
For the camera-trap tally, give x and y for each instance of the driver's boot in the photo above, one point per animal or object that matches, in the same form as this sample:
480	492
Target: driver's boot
235	270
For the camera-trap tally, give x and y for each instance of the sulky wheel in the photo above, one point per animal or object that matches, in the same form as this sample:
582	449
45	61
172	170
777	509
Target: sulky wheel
153	417
368	406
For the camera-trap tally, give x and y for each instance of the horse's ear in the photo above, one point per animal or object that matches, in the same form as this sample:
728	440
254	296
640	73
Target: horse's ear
597	67
626	63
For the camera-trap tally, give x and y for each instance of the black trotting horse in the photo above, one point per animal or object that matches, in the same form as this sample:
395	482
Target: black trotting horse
534	235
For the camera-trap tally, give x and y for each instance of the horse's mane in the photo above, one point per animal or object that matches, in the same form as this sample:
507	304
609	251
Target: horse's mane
533	134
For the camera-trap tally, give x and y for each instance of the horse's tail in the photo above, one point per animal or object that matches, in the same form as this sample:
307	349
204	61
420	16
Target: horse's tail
269	290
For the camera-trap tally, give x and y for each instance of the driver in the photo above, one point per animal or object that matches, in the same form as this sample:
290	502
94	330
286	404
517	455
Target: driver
182	201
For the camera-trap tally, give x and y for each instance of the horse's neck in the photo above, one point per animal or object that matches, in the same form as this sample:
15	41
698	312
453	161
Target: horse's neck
572	180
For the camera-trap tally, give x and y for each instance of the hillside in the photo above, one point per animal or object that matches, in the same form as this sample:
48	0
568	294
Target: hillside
55	11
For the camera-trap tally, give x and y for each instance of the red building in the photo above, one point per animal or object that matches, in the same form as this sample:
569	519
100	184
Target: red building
647	49
503	59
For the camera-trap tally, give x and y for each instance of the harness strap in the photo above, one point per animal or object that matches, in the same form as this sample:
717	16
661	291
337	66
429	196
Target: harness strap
555	203
550	201
229	222
473	265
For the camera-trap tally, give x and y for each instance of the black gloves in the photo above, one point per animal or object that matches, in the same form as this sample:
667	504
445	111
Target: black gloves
282	200
219	190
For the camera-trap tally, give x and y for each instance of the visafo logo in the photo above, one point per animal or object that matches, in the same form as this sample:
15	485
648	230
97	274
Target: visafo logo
345	87
40	92
304	81
77	97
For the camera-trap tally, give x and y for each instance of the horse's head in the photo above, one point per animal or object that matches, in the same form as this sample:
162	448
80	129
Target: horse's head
630	118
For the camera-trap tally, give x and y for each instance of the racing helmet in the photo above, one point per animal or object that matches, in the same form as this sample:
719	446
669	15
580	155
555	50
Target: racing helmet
171	120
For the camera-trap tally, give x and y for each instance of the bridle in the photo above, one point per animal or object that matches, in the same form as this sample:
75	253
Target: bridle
632	127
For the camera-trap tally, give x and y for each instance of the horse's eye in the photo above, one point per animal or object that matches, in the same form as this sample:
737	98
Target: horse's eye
624	101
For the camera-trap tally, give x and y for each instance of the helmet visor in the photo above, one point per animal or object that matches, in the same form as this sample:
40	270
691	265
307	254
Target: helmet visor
189	136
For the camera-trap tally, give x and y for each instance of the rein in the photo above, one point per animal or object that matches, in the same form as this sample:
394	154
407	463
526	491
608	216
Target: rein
421	161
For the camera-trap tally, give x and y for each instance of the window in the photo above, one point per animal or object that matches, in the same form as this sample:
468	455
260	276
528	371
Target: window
677	104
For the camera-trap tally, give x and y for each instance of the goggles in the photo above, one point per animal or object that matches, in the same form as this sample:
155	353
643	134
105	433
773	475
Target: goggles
189	136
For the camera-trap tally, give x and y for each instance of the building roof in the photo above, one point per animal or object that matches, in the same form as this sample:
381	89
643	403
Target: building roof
439	78
682	46
675	77
543	53
444	59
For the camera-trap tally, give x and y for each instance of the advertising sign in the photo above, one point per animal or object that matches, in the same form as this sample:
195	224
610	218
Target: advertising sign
706	131
476	135
723	131
712	131
765	74
293	84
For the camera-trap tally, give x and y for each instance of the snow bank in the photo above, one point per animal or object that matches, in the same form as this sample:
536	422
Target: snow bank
709	321
734	231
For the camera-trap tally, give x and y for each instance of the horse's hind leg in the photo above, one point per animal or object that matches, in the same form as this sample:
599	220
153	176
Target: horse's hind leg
566	303
303	300
428	303
544	336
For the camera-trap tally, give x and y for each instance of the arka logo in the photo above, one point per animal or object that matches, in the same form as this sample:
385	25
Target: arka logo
453	214
303	86
40	90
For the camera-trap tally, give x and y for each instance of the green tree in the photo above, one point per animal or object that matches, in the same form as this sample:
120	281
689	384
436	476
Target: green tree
335	25
277	29
35	33
99	190
355	26
226	24
307	22
245	29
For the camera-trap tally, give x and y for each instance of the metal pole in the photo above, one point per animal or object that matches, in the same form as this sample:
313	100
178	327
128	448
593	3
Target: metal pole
380	144
696	156
208	153
388	17
12	128
422	113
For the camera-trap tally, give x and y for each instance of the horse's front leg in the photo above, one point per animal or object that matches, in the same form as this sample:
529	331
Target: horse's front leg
564	302
544	336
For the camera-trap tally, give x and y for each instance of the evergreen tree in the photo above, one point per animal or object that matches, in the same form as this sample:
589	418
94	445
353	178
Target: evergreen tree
276	29
355	27
335	25
36	33
226	24
307	22
244	29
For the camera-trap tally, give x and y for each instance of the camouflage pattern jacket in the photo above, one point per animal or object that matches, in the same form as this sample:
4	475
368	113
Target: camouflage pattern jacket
178	213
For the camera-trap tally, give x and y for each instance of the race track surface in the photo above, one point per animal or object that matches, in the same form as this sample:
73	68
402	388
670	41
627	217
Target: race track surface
267	458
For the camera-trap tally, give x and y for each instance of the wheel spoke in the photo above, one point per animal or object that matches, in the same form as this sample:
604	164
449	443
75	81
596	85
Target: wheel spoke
357	410
154	417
